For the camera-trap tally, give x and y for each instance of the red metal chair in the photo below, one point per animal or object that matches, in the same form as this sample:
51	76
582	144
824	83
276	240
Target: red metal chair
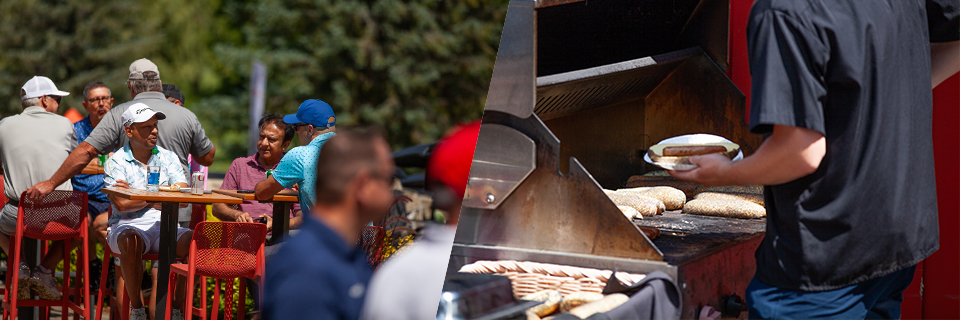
222	250
61	216
123	312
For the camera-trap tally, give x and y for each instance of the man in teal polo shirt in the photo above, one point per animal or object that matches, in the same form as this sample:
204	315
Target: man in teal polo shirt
315	124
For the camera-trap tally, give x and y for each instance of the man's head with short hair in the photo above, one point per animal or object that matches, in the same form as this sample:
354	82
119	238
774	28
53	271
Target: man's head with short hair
275	136
42	92
174	94
144	77
356	165
97	100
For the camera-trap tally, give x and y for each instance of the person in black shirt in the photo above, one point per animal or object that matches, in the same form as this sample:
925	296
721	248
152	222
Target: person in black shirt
842	92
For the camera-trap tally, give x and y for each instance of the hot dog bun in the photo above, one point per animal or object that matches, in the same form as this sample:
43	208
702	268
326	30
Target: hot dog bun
681	153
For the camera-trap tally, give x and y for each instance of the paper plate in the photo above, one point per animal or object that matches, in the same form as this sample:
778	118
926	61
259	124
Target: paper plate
699	138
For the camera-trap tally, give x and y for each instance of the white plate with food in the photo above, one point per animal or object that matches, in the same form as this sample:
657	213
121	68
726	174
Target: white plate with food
674	153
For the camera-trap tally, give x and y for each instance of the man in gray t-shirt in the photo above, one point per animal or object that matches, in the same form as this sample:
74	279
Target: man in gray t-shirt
180	133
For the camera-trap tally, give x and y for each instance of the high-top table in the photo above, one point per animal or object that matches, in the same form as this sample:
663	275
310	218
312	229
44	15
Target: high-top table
168	226
89	170
281	209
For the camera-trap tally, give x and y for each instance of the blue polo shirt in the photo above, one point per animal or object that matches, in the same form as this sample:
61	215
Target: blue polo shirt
299	166
89	183
315	275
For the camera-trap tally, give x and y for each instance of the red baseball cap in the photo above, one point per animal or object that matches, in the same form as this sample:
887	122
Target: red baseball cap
452	156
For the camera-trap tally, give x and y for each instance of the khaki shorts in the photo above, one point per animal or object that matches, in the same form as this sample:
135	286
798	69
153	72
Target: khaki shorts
8	219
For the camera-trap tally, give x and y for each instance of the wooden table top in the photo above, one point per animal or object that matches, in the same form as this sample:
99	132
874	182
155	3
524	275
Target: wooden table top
164	196
88	170
282	196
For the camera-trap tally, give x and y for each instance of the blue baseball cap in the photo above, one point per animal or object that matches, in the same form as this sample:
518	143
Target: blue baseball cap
313	112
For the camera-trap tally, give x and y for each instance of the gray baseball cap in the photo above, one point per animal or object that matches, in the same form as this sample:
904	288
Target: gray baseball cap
137	68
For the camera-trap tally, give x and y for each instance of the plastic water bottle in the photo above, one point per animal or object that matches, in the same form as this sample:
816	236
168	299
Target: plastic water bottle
153	174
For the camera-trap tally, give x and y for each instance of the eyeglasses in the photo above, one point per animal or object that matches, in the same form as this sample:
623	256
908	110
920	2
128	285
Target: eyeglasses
55	98
100	100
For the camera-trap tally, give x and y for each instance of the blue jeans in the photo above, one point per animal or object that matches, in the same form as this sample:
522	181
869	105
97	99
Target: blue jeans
877	298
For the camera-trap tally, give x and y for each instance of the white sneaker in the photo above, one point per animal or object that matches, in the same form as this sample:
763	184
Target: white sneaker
24	282
45	284
138	314
176	314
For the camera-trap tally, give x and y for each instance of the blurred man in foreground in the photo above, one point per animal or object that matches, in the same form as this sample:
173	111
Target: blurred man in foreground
321	273
408	286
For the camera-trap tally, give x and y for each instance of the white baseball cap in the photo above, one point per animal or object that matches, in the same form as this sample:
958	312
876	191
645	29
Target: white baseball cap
41	86
138	113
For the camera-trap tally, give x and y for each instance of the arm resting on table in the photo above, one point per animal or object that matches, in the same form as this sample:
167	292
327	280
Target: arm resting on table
267	188
225	213
788	154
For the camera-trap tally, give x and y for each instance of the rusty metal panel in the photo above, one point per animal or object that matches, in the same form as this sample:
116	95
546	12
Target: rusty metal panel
698	98
502	159
552	211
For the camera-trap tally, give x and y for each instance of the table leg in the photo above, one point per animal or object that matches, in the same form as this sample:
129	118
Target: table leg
168	253
281	221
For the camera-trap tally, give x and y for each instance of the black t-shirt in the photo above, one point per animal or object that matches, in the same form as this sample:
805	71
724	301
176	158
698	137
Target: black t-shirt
857	71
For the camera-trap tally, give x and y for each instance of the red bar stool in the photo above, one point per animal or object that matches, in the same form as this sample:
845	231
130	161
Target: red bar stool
123	312
223	250
61	216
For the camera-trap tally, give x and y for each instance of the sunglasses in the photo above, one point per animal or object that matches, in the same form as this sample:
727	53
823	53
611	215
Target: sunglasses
55	98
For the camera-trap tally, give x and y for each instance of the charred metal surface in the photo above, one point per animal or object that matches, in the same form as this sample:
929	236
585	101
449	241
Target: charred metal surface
579	35
696	98
552	211
608	116
570	92
687	237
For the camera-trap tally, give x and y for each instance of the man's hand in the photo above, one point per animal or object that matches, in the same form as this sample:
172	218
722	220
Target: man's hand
788	154
37	192
121	184
269	222
711	170
243	217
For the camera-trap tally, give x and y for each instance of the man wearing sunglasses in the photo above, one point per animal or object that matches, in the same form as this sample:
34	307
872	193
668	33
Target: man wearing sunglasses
315	123
32	146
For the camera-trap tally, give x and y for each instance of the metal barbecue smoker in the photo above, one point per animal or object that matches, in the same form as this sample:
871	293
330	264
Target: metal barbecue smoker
579	91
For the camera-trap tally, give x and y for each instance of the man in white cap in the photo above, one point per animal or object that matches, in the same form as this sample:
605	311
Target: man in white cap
181	133
32	145
135	225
